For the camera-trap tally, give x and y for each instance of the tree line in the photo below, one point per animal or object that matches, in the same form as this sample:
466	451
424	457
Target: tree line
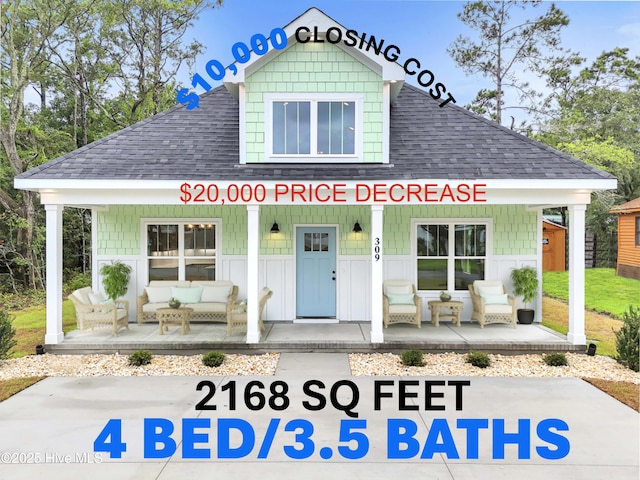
96	67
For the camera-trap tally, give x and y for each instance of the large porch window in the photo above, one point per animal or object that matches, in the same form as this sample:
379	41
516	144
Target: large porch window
450	255
181	251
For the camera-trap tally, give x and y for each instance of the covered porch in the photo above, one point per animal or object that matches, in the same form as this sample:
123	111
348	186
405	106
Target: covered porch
359	280
336	337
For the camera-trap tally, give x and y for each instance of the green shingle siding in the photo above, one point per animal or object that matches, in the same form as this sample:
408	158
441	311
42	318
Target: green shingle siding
325	69
514	229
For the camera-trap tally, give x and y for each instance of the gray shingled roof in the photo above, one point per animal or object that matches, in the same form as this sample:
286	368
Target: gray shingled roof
427	142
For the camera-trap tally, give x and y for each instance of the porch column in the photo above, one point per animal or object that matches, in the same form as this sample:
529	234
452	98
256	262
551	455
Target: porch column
253	251
54	274
376	274
576	333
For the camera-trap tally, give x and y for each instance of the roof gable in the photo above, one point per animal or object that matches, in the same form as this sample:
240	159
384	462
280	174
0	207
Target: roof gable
317	22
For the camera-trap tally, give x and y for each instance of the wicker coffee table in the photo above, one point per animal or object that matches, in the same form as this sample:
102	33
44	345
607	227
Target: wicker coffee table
174	316
452	310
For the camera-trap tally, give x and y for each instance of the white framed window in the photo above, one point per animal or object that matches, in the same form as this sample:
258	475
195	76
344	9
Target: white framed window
320	127
181	250
450	254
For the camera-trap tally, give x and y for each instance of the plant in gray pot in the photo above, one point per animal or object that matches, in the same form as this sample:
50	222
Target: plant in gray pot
525	281
115	279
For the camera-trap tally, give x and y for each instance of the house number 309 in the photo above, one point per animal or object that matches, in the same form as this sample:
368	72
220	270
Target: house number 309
376	248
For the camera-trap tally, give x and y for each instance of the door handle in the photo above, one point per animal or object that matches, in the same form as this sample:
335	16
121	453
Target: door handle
334	275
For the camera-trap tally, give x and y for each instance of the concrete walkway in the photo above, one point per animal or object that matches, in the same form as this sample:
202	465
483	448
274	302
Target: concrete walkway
50	428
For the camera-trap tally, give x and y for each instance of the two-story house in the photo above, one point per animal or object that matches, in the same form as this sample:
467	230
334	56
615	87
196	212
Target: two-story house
316	170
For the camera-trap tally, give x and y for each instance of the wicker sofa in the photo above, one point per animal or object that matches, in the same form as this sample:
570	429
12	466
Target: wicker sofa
213	303
93	311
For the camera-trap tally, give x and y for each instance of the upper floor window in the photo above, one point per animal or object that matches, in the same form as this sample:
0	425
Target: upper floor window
326	127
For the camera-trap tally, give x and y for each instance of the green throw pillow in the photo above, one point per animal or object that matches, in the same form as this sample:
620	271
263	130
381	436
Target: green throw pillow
400	299
495	299
187	294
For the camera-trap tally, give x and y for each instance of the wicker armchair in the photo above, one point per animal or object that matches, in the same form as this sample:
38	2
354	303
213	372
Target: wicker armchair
491	304
99	315
237	319
400	303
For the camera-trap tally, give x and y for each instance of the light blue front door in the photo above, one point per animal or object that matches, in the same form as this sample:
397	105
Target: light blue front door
316	272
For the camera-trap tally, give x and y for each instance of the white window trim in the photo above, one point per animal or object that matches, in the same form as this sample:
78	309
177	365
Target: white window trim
358	99
181	222
450	265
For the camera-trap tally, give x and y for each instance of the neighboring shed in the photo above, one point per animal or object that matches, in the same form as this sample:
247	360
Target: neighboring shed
628	238
553	247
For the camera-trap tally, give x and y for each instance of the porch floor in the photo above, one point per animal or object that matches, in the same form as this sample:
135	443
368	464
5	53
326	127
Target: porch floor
308	337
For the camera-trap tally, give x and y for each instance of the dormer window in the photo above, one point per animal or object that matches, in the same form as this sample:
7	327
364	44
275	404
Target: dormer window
318	127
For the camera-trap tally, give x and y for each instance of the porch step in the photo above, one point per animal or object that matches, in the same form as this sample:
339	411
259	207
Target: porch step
326	338
193	348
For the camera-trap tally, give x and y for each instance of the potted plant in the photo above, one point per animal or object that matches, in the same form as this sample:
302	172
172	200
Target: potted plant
115	279
525	281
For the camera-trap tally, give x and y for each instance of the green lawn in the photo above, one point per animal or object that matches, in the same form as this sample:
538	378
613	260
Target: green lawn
605	292
30	327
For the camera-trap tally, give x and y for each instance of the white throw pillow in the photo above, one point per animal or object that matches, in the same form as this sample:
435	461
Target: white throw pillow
215	294
398	289
490	289
158	294
83	295
96	298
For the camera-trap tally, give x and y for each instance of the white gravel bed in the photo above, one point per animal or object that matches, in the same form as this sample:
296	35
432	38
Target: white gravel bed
118	366
453	364
375	364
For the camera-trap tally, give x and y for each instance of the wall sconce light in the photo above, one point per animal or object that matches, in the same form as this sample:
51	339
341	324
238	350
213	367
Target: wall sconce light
357	228
275	228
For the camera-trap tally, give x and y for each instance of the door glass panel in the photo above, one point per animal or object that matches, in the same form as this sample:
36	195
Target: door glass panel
307	241
324	242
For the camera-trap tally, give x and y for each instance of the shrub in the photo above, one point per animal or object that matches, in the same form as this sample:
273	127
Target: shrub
556	359
627	339
140	357
20	301
478	359
76	280
7	332
213	359
412	358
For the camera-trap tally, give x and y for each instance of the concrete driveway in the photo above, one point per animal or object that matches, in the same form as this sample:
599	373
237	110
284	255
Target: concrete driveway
313	420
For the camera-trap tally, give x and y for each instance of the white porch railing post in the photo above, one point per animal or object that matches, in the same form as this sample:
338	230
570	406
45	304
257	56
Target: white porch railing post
376	273
253	252
53	237
576	334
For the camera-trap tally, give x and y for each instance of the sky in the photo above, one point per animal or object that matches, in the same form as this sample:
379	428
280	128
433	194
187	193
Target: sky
423	29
